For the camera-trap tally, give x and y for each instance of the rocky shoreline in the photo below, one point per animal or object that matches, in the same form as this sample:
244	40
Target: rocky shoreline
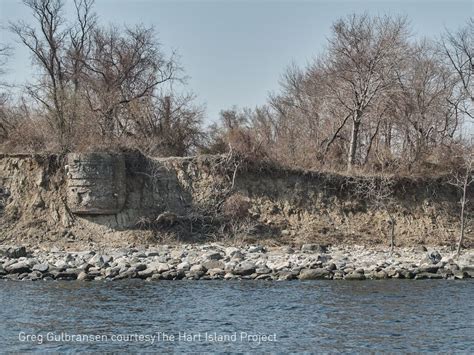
216	261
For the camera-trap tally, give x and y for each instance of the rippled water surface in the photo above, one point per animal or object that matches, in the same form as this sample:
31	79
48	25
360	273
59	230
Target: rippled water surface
432	315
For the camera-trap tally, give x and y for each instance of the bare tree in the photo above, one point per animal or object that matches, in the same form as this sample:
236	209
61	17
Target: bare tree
362	57
123	68
49	45
170	124
458	47
378	192
423	118
462	180
5	52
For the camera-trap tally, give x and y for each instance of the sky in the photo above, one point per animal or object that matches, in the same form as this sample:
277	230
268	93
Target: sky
234	51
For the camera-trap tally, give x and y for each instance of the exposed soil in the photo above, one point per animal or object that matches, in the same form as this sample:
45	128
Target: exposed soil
218	198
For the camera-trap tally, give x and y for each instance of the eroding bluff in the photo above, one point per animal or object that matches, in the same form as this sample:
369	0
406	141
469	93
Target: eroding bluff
129	199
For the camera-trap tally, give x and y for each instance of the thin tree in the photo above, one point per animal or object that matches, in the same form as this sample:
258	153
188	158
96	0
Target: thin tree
378	192
462	180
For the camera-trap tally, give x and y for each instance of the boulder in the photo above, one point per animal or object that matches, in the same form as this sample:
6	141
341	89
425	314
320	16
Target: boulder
284	275
213	264
314	274
469	270
16	252
160	267
313	248
245	268
256	249
43	267
354	276
379	275
198	268
183	266
18	268
69	274
83	276
432	269
434	256
287	250
427	275
213	256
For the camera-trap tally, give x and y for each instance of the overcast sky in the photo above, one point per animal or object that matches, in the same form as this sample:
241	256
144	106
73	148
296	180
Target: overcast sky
235	51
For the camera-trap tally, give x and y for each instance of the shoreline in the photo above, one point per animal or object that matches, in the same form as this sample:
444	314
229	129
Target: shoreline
252	262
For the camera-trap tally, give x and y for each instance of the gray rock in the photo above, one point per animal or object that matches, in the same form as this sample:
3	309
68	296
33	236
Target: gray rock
469	270
107	259
16	252
183	266
172	275
279	265
354	276
213	264
452	267
230	251
287	250
428	269
238	256
230	276
256	249
198	268
406	274
18	268
434	257
216	272
213	256
96	260
314	274
427	275
284	275
125	275
245	268
458	274
43	267
139	267
34	276
378	275
68	274
195	274
83	276
314	248
110	273
160	267
263	270
177	254
144	274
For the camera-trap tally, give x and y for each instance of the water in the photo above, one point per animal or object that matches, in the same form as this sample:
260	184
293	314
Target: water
407	316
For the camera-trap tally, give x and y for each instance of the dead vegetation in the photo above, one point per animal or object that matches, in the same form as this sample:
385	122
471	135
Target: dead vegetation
375	100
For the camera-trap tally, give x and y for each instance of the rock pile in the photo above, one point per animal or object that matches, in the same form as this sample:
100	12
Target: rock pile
215	261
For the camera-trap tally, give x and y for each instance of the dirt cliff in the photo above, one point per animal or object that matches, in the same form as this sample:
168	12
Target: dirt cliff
219	198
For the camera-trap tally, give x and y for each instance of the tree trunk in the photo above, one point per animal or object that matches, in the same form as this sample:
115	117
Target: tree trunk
354	138
392	233
463	203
